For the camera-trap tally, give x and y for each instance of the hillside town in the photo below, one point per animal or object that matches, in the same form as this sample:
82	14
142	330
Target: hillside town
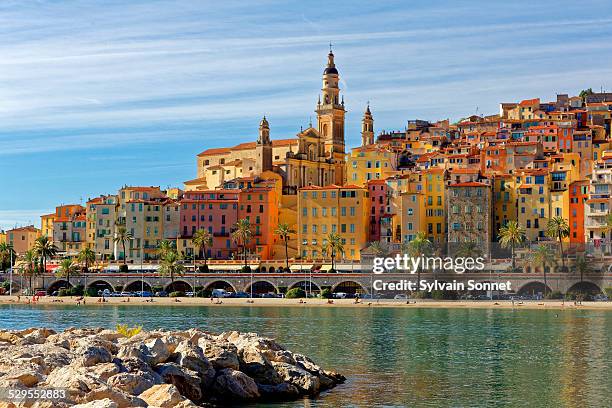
310	197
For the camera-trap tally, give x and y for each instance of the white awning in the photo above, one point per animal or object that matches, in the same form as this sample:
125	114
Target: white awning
225	267
325	268
301	267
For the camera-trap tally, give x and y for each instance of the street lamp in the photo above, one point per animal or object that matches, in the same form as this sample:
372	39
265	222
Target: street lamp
11	272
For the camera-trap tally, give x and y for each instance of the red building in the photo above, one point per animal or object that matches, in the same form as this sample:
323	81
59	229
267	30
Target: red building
379	207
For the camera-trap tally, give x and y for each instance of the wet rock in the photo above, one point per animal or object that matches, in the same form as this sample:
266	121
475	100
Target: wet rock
233	385
306	382
186	381
191	356
224	355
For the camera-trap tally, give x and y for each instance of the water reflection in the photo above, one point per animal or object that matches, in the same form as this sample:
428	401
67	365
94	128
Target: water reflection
400	357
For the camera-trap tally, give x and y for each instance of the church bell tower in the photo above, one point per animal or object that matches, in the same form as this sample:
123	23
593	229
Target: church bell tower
263	148
367	128
330	117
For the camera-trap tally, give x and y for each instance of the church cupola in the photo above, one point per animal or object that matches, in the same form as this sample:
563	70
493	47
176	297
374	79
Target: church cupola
264	132
367	128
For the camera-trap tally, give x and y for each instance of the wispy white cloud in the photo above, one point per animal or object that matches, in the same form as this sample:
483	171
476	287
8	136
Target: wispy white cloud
109	76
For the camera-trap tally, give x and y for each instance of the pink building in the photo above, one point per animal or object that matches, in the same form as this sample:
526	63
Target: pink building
213	210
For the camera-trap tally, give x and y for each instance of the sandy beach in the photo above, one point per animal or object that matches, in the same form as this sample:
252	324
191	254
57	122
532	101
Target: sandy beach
266	302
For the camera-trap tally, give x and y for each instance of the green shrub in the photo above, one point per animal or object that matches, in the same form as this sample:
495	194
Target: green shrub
437	294
326	293
295	293
156	289
91	292
554	295
570	296
123	268
204	293
246	269
419	295
608	292
177	293
63	292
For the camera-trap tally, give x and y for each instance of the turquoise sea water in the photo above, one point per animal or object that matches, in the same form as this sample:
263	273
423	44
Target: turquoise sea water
402	357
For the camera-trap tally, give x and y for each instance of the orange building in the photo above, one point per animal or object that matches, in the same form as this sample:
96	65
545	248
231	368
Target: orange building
69	228
260	205
578	193
22	239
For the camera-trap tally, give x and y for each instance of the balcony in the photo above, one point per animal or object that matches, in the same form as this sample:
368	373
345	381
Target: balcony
221	234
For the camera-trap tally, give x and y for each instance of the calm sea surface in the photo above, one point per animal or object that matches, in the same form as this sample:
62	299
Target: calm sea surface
402	357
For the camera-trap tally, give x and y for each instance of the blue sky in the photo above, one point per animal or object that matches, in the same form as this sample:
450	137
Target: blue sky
94	95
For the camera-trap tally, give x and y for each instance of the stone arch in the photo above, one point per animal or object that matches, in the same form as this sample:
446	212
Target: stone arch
179	285
100	285
137	286
585	287
533	288
220	284
57	285
261	286
349	286
271	270
262	269
305	286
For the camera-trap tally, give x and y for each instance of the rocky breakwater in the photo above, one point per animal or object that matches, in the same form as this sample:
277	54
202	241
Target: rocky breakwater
102	368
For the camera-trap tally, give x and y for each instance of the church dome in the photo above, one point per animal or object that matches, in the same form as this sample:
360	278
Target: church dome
330	70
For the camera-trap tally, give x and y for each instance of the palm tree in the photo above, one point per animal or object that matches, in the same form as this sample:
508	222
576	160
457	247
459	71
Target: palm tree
170	265
202	240
165	247
123	236
420	245
242	236
558	228
378	249
544	256
469	250
29	266
283	230
334	246
67	267
44	248
88	256
582	266
511	235
6	254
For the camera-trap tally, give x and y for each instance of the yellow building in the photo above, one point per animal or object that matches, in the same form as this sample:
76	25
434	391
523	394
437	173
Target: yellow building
411	214
372	162
101	214
534	196
433	188
46	222
332	209
2	237
504	201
